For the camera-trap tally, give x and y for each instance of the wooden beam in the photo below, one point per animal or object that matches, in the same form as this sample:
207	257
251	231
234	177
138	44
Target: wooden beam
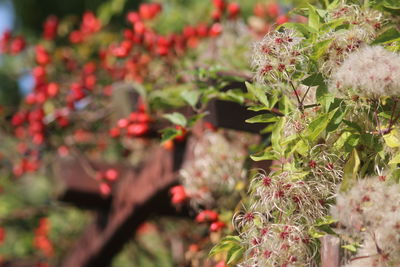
137	197
330	251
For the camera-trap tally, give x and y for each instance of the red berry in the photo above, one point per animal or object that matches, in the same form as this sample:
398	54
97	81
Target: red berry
137	129
52	89
115	132
111	175
219	4
259	10
207	216
182	136
178	194
282	19
133	17
233	10
215	30
217	226
123	123
273	10
105	189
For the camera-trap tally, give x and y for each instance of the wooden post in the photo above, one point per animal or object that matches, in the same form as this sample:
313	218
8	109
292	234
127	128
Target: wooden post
330	251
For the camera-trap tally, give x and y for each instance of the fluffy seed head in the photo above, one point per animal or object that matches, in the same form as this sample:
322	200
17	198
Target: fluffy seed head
370	72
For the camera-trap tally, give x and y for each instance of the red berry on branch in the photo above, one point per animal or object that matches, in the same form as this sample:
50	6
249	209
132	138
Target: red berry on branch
282	19
133	17
259	10
105	189
137	129
50	27
273	10
217	226
182	136
178	194
111	175
216	29
52	89
207	216
17	45
219	4
233	10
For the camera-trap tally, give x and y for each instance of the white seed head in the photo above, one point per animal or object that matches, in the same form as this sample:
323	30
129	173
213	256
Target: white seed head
370	72
276	57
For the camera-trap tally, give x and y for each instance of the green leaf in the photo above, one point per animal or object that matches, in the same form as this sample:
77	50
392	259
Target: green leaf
336	120
169	134
334	4
258	92
352	142
302	148
314	233
351	247
392	139
353	125
300	27
176	118
277	134
225	244
314	80
320	48
390	35
341	140
317	126
191	97
192	120
327	220
263	118
267	154
235	254
395	159
350	171
258	108
313	18
392	4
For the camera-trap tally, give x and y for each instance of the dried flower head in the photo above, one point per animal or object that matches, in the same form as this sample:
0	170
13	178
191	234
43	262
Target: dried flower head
216	168
275	228
355	15
370	72
369	211
276	57
277	245
363	27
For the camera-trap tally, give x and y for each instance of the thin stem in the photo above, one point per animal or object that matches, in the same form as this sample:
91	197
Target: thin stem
392	115
311	106
297	96
378	123
305	94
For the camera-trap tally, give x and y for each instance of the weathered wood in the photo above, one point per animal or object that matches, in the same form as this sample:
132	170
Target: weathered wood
330	251
137	197
76	186
232	115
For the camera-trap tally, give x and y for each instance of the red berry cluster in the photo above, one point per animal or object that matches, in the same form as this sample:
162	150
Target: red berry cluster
106	178
10	44
50	27
210	216
220	7
90	25
2	235
269	14
179	194
41	240
137	124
